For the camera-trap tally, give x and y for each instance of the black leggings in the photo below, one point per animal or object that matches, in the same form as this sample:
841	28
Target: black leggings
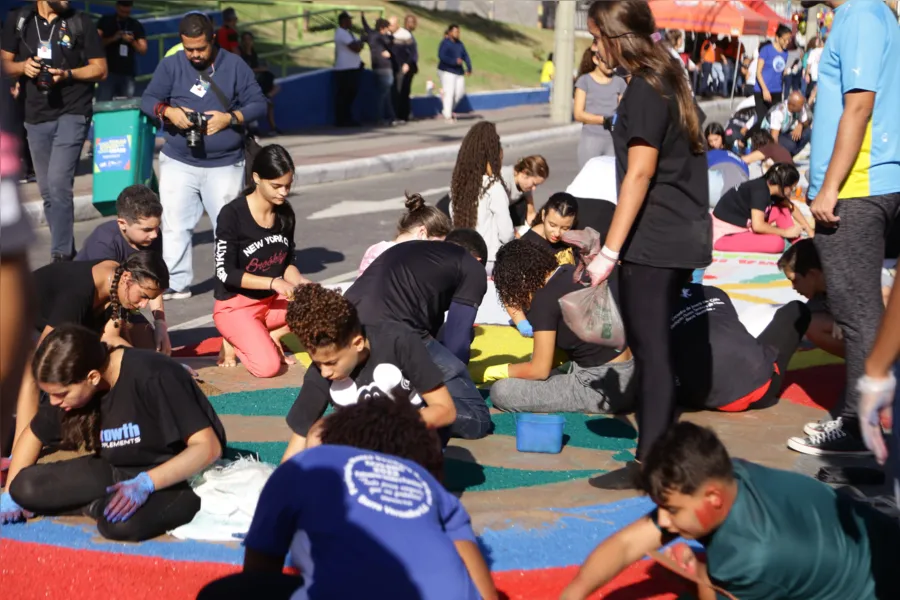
79	485
762	108
271	586
647	297
784	333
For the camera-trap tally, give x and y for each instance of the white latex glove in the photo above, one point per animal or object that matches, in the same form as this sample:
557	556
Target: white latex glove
602	265
875	408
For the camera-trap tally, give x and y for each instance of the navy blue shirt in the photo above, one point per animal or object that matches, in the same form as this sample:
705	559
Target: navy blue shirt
172	83
106	242
448	54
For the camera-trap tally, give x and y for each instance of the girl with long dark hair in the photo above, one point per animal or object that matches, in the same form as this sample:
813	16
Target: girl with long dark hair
758	215
255	273
144	422
96	294
661	230
479	198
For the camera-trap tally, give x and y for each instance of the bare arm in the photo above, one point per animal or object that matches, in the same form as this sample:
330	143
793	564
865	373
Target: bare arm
642	159
440	410
293	276
477	568
13	68
613	556
25	453
17	300
541	363
516	315
579	113
92	72
820	333
759	225
759	76
296	445
203	449
887	345
257	562
753	157
140	46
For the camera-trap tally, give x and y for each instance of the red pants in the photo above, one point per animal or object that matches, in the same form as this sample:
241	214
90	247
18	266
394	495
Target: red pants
246	323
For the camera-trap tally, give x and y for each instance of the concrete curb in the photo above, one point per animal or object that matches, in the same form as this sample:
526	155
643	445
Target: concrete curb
414	159
84	210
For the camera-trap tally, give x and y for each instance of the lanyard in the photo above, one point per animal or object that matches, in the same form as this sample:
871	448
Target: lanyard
38	28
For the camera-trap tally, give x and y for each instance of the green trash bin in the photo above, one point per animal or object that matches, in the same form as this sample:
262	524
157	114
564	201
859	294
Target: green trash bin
124	142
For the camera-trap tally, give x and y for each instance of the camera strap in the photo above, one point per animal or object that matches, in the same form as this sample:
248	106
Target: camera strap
223	99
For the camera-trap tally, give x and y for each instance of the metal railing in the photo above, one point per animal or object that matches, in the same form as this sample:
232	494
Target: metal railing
307	20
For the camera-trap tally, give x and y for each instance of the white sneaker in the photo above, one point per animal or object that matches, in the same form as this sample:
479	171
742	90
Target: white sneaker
821	426
173	295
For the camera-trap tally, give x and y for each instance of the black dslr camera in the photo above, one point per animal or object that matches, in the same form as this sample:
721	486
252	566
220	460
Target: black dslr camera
194	135
44	80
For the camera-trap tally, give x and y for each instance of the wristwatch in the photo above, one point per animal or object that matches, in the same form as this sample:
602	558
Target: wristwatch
234	119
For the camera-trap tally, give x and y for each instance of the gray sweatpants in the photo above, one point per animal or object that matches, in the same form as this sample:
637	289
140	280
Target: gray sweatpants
852	255
595	390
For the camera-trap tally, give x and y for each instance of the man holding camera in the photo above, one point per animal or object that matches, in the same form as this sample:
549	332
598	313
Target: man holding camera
124	38
56	54
203	97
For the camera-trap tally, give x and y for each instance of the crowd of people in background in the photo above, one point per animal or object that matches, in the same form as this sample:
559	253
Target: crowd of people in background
390	354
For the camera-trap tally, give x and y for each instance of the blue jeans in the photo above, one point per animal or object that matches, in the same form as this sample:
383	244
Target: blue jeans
384	102
793	147
185	191
473	419
55	151
115	85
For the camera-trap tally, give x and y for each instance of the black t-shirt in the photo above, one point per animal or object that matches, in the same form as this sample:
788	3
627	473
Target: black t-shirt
673	228
68	52
245	246
415	282
120	55
545	314
399	367
106	242
251	58
717	361
564	253
147	416
735	205
65	292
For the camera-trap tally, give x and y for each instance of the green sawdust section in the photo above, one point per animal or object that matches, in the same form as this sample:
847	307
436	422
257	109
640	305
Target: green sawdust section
581	431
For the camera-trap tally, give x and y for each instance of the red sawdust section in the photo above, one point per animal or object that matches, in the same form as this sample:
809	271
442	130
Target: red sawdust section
817	387
88	574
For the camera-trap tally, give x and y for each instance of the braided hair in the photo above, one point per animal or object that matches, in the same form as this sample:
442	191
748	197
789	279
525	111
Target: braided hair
480	147
145	266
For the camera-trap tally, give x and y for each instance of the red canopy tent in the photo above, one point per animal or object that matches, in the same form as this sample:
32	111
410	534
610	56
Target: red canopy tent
770	15
727	17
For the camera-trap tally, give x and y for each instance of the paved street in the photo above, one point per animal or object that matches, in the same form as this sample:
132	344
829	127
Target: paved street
335	224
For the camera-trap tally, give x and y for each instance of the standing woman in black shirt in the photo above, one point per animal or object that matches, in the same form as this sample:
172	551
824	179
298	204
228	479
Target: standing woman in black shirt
661	229
140	415
254	266
95	294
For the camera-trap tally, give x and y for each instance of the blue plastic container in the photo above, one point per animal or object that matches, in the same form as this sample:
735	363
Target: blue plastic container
540	433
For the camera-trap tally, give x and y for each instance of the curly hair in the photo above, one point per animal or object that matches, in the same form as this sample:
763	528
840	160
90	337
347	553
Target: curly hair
521	269
480	147
321	317
386	426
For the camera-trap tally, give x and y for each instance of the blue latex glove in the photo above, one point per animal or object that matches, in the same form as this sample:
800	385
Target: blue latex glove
525	328
10	512
128	496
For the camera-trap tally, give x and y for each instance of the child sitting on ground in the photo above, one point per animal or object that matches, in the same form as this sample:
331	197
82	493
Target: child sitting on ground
767	533
351	363
420	222
136	227
371	495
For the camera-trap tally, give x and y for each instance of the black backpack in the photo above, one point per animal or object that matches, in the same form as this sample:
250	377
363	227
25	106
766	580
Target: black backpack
74	22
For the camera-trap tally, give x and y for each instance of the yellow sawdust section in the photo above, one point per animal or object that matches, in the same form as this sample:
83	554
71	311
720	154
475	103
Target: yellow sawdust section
732	289
493	345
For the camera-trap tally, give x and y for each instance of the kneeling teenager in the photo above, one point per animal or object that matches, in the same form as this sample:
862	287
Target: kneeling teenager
758	527
407	539
352	363
145	422
529	279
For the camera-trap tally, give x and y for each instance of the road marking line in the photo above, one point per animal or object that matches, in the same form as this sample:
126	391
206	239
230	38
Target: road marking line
349	208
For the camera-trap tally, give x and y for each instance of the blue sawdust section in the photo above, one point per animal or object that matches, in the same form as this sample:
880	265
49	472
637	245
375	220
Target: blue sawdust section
581	431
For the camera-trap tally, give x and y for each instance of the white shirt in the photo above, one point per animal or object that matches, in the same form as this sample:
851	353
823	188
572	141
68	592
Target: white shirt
494	221
345	59
508	174
597	180
812	62
751	70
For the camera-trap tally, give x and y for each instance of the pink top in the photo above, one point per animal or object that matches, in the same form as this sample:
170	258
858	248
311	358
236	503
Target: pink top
374	251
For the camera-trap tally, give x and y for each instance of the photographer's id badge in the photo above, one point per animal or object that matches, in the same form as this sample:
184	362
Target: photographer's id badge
123	50
200	88
45	51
